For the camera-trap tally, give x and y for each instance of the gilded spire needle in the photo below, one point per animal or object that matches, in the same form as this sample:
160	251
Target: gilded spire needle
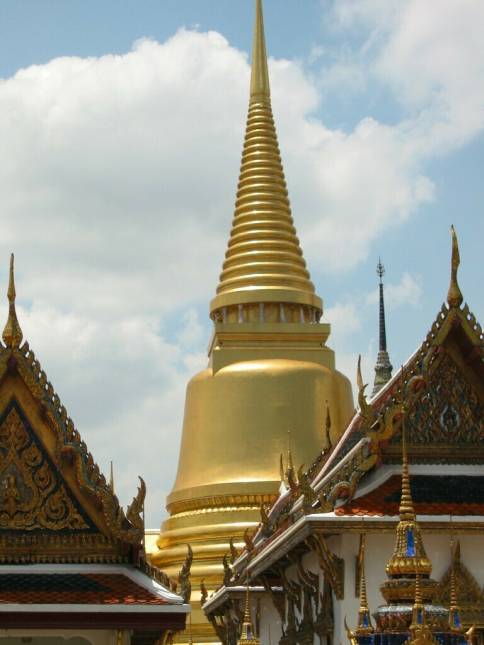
111	478
247	635
259	81
454	296
364	621
407	511
12	334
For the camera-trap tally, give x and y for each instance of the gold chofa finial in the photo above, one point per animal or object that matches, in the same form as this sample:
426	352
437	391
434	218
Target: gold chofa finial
12	334
111	478
259	81
454	297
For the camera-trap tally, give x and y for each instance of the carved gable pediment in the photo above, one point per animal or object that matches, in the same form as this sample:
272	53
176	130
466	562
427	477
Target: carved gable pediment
33	494
446	421
450	411
55	504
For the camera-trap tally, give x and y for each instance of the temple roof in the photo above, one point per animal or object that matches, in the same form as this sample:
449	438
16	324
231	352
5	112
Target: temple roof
68	585
440	392
56	503
432	495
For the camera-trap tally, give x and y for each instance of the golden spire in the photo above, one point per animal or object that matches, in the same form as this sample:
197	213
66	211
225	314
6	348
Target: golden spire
259	80
406	510
264	261
290	463
454	296
409	557
111	478
12	334
455	622
364	620
247	635
418	612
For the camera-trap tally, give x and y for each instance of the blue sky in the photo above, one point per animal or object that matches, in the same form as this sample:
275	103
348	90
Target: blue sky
119	178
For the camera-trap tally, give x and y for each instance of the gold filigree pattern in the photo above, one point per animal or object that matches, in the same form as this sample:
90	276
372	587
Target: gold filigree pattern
31	492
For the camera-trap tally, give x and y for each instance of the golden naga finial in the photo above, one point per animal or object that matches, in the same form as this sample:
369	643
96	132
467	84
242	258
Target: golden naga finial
454	296
364	620
111	478
259	81
362	402
12	334
350	634
248	636
282	474
290	471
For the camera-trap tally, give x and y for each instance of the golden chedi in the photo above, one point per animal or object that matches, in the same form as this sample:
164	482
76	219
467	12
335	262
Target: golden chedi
269	370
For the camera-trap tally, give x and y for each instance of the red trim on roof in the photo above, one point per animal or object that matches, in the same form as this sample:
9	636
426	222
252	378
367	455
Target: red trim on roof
376	503
114	589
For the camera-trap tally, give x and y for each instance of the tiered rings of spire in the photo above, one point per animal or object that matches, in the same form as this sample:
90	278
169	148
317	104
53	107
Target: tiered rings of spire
264	262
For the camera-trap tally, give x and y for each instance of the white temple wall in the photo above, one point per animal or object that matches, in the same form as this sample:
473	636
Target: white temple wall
345	546
270	629
379	548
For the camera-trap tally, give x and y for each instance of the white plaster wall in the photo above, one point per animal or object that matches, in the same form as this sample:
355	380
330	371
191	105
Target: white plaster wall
379	548
270	631
345	547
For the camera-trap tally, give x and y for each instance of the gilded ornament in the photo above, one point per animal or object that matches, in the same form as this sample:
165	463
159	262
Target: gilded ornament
12	333
454	297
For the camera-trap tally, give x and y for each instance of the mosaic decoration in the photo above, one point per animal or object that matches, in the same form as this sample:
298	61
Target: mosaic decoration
450	410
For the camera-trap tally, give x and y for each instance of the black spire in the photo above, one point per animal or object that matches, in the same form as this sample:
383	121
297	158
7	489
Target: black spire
383	367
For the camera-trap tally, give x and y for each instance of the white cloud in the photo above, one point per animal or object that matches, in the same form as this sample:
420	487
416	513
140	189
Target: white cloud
117	187
406	292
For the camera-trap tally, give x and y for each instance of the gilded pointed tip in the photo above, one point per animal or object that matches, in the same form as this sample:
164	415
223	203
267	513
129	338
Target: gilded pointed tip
111	478
454	296
359	378
12	333
259	82
11	280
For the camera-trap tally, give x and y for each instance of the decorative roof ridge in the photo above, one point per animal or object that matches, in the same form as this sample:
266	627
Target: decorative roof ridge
392	390
127	526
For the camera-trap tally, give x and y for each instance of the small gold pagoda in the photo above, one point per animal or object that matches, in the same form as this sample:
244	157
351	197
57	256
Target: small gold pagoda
269	371
410	616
